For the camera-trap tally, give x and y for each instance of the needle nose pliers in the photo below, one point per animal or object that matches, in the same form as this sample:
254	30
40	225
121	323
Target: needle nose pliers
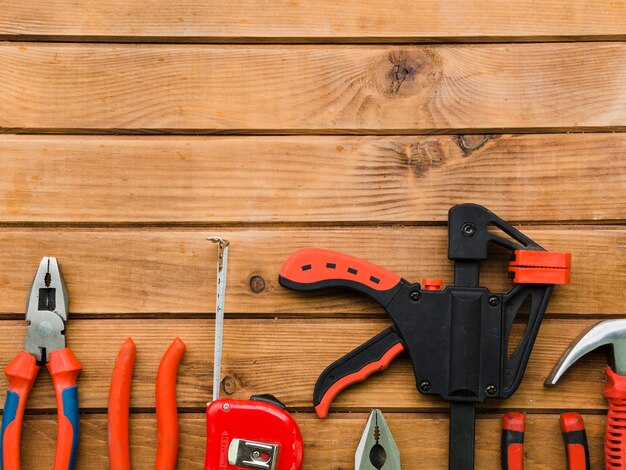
46	314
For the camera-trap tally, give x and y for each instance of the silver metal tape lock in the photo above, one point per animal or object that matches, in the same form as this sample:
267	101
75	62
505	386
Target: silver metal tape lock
251	454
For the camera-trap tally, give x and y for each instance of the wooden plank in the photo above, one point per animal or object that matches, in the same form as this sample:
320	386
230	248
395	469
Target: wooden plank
51	87
329	444
285	357
322	20
157	271
299	179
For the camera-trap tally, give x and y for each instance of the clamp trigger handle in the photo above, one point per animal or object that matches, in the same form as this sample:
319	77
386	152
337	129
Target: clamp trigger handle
369	358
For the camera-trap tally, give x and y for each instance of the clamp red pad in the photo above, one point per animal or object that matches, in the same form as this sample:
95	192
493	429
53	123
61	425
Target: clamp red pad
540	267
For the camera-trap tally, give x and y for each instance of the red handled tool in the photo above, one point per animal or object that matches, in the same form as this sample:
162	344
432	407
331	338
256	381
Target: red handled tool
119	401
246	434
513	427
456	338
574	438
166	409
611	333
46	314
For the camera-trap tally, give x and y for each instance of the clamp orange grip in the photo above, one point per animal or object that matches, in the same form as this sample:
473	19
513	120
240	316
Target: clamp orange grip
64	369
166	411
119	403
615	436
311	265
21	373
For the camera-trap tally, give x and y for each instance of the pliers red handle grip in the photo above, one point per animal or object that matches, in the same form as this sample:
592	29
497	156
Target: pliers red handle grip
44	344
574	438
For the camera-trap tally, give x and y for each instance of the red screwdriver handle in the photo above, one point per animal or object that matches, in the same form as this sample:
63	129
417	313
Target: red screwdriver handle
21	374
615	437
64	369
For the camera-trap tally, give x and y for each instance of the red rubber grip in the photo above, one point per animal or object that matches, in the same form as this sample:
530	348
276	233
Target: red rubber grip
64	369
513	428
166	411
615	437
360	376
311	265
21	374
119	403
573	429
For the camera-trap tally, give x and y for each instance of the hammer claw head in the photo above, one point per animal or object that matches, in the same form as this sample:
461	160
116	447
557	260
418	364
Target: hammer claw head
606	333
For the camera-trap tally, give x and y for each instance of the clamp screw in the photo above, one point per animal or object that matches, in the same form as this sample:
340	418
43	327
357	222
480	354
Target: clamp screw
491	390
424	385
256	454
415	295
494	301
468	230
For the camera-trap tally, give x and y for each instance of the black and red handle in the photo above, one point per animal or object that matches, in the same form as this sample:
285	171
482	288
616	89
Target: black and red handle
512	451
369	358
315	268
575	440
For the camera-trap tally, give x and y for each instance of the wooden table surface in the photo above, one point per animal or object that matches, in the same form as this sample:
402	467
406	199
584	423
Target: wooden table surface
132	130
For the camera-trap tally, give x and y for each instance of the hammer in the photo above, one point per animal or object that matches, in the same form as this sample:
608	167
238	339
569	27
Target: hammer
611	333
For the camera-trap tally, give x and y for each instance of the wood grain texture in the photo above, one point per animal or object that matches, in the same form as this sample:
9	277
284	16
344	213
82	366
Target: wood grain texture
329	444
322	20
285	357
116	88
171	271
296	179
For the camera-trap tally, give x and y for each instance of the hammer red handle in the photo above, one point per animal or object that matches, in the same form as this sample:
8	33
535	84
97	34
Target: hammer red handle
615	437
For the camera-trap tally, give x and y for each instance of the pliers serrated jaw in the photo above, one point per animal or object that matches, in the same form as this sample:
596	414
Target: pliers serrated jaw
377	450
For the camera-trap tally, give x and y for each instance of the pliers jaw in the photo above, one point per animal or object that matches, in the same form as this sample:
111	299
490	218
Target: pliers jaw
377	448
46	311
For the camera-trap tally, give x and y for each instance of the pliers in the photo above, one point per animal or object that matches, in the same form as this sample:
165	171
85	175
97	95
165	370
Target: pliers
46	314
377	450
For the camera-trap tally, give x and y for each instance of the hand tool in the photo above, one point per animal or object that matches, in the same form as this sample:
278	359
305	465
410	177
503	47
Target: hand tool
456	338
46	314
166	410
512	443
377	450
119	402
574	438
246	434
606	333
